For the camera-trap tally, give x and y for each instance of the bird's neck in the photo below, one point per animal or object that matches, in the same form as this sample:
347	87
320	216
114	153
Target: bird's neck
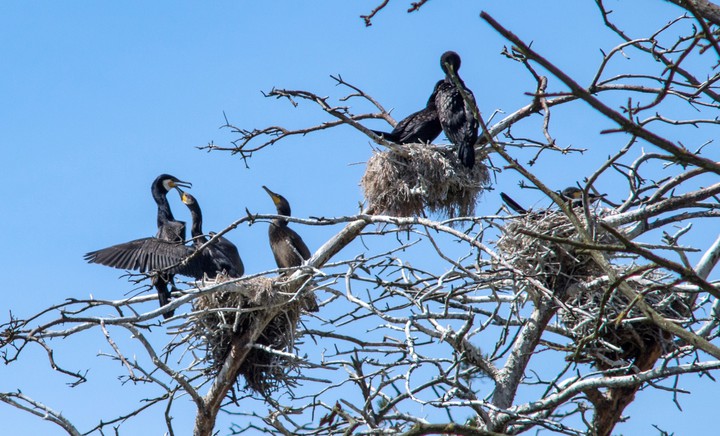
164	214
449	79
196	231
280	222
284	210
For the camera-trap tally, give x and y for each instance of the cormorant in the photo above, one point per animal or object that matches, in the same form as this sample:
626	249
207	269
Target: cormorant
152	254
219	257
287	246
421	126
575	196
571	194
456	117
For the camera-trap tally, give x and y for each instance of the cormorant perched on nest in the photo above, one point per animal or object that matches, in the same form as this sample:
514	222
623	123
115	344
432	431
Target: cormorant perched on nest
422	126
572	194
219	257
287	246
455	115
156	253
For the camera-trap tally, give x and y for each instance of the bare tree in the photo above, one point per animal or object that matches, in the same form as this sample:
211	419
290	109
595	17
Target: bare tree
474	325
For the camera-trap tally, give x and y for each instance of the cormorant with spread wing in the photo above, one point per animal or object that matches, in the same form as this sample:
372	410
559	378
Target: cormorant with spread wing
455	114
287	246
152	254
220	257
421	126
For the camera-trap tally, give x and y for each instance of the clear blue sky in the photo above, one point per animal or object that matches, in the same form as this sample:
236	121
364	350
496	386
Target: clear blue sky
98	98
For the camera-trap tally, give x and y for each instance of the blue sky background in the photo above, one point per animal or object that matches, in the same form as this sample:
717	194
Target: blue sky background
97	99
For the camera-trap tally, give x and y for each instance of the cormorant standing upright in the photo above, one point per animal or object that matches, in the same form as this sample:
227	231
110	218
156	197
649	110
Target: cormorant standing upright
156	253
219	257
456	117
287	246
421	126
169	229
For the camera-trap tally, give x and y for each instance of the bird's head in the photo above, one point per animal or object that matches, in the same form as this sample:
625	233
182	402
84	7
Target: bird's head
186	198
450	60
571	193
575	195
167	182
282	205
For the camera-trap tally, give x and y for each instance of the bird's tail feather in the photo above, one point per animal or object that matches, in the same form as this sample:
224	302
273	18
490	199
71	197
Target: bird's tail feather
512	204
164	295
466	154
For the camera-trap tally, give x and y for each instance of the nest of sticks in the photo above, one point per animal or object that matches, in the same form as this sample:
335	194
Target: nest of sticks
226	315
556	266
611	332
410	179
608	330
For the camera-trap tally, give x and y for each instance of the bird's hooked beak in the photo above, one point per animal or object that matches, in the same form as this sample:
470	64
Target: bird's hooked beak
272	195
184	197
179	183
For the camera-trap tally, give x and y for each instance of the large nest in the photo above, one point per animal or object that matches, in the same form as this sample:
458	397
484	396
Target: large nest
227	314
555	265
409	179
611	331
607	329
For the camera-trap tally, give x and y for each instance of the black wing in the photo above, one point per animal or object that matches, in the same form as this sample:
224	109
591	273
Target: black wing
148	254
299	244
222	257
286	245
422	126
388	136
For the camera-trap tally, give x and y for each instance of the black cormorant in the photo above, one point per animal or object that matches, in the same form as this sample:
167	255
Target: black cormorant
152	254
219	257
574	195
456	117
421	126
287	246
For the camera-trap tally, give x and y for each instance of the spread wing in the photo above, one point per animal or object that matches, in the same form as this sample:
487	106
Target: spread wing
147	254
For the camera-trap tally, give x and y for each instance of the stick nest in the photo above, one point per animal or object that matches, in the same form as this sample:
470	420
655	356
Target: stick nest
556	266
406	180
611	332
590	305
229	313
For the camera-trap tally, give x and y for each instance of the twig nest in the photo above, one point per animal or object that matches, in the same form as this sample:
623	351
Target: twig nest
229	312
607	329
555	265
409	179
611	332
